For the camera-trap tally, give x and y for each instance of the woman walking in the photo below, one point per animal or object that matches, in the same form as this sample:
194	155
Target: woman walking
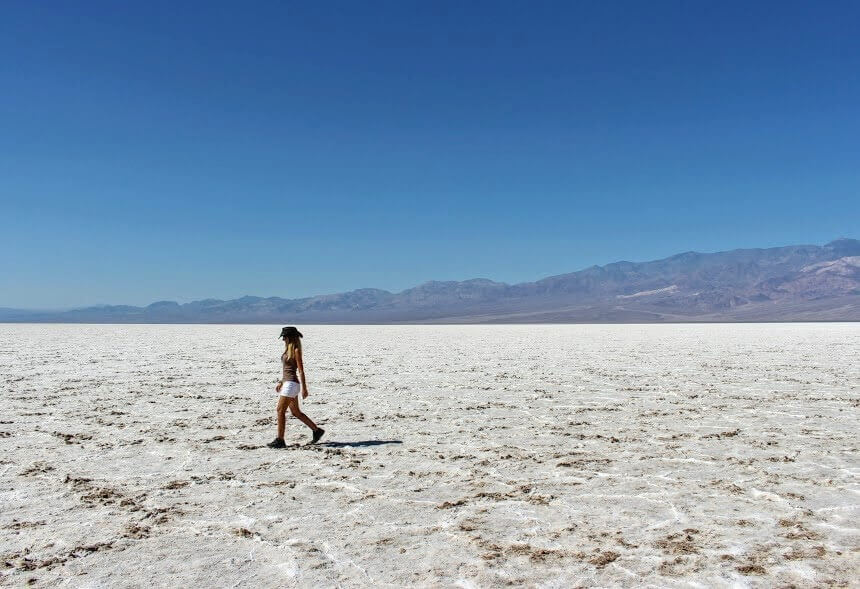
288	387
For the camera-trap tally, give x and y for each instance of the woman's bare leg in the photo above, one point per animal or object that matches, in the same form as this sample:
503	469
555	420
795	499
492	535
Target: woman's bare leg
297	412
283	402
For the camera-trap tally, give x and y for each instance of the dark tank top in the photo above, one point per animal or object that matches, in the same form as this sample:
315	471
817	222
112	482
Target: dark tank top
290	367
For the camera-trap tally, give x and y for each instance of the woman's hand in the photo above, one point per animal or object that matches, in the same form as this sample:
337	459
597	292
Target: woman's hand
279	386
304	392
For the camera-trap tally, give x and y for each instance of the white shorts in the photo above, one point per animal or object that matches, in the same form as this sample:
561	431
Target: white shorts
290	389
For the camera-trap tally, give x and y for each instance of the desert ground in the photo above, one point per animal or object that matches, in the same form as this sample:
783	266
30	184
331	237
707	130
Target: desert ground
712	455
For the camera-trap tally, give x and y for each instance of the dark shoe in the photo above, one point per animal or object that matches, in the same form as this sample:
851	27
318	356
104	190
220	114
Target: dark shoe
318	433
277	443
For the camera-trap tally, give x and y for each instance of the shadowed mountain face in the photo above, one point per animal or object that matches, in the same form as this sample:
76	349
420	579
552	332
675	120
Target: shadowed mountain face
793	283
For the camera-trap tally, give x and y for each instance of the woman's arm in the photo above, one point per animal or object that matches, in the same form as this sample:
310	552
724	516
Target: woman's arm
280	380
301	369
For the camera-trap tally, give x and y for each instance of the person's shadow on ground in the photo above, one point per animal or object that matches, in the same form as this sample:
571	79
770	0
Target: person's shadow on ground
361	444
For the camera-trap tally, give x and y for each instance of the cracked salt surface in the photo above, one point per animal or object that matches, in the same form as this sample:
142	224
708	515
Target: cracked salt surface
471	456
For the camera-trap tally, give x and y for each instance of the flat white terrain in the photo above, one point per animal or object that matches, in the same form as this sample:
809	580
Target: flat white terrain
471	456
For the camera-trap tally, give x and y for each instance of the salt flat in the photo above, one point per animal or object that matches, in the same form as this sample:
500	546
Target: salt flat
471	456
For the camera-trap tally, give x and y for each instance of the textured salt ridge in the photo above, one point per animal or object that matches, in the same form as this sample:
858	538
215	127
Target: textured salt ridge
722	455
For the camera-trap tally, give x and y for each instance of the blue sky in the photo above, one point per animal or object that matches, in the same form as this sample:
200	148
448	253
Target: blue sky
180	151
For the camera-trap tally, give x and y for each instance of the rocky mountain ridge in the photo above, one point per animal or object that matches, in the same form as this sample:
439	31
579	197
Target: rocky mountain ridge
791	283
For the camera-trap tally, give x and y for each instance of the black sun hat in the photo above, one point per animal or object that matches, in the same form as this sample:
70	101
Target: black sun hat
290	333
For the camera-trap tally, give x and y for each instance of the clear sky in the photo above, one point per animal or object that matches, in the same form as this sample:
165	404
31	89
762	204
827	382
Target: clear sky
179	150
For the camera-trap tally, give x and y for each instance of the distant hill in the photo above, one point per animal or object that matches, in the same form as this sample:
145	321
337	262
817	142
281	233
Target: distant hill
792	283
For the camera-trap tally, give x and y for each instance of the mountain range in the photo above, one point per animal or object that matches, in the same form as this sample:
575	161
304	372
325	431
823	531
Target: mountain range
791	283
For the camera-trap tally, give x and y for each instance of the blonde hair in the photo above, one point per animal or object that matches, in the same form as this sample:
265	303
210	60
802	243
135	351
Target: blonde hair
293	344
